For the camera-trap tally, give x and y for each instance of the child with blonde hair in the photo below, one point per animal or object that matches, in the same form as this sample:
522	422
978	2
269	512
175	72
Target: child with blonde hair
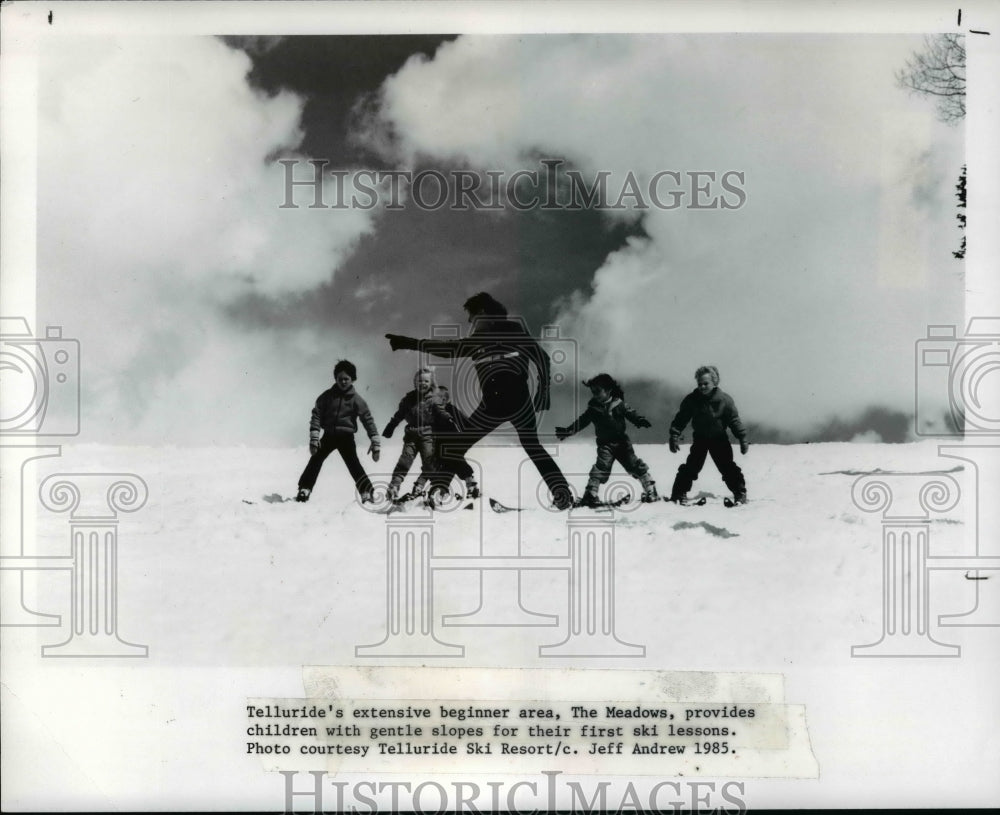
711	412
424	415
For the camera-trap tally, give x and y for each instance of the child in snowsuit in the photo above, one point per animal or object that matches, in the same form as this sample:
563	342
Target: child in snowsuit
608	412
424	415
336	413
462	467
711	412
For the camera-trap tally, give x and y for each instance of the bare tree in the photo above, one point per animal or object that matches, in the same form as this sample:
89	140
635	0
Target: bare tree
939	71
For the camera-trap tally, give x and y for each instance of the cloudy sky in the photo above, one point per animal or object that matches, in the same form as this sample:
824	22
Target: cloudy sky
208	314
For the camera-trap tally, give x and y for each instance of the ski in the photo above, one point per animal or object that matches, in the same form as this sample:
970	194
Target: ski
603	504
695	502
496	506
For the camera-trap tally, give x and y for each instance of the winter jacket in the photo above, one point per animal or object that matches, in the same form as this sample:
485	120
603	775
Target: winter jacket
459	419
608	419
502	351
709	416
423	415
338	411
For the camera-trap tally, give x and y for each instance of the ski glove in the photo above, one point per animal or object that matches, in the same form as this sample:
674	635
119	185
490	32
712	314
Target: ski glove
643	423
398	341
674	446
373	450
562	433
389	430
313	446
744	446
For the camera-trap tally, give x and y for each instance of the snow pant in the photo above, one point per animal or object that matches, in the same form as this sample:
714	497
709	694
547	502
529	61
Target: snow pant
722	454
344	444
462	467
414	443
608	452
493	411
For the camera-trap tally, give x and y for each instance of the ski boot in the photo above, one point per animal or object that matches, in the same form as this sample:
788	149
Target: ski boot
562	498
588	499
368	497
472	490
680	498
738	499
437	497
303	495
649	494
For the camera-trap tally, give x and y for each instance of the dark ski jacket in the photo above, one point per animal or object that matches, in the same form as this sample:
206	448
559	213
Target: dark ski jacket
423	415
458	418
338	411
710	416
502	351
608	419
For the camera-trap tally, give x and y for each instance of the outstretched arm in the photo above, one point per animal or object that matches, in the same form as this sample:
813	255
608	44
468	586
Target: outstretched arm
636	418
439	348
397	417
581	422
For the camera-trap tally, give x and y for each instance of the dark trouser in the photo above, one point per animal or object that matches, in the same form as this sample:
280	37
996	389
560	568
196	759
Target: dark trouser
608	453
414	443
461	467
491	413
722	454
344	444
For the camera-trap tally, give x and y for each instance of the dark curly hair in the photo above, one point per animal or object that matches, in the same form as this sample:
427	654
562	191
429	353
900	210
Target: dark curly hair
484	303
348	367
608	382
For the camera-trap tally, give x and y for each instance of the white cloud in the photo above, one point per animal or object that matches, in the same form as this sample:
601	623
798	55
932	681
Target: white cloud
810	297
159	202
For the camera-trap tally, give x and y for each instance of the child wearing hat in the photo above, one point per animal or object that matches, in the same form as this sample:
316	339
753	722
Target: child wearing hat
608	412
